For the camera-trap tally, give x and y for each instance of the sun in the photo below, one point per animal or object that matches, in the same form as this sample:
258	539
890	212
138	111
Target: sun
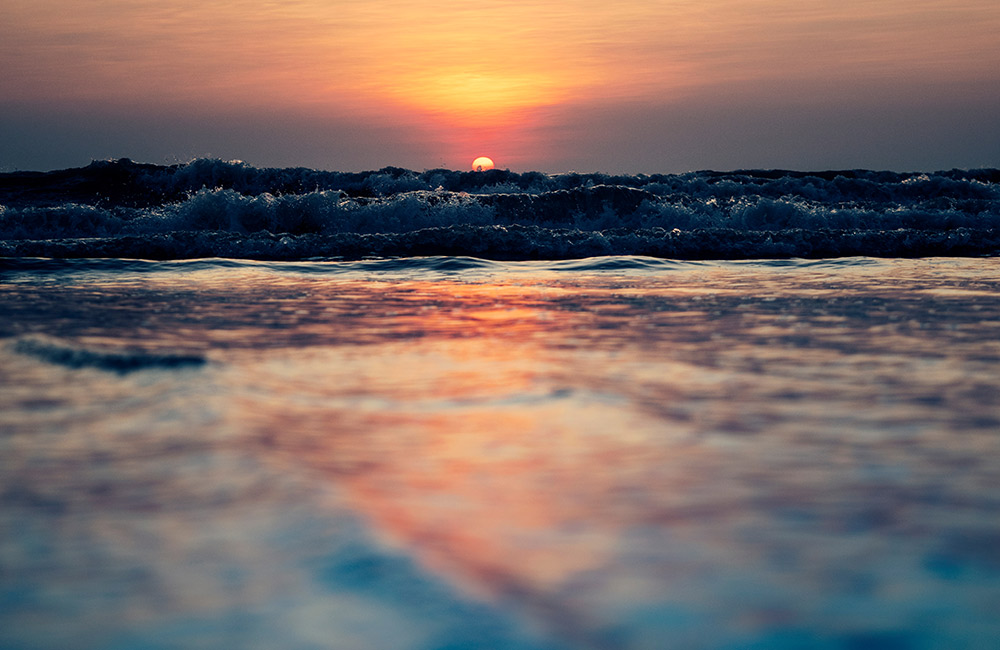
482	164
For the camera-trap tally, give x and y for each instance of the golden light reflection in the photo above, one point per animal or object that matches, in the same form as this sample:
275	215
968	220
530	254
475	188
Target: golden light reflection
512	432
578	443
488	468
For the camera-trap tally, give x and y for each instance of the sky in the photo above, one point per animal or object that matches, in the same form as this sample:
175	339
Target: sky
623	87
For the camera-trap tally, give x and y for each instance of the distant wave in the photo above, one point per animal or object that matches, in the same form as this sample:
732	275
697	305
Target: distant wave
212	208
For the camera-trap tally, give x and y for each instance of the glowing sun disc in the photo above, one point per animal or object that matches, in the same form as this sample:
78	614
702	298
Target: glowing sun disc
481	164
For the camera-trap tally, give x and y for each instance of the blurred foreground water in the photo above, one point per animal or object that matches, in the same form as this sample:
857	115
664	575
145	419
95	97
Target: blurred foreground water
453	453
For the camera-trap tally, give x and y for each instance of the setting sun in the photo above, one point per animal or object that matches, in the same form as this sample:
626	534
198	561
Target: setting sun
482	164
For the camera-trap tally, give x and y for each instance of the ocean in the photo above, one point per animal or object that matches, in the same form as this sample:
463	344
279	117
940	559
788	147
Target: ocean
289	408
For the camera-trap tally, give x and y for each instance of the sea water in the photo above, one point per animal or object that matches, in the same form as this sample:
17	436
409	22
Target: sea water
212	208
450	452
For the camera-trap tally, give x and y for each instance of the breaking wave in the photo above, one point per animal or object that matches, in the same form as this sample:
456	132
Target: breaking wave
213	208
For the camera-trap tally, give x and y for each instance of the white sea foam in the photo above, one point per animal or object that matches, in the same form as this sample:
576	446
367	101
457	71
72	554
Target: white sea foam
119	199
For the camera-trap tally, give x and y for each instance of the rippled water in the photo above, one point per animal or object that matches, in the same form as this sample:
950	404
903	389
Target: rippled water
454	453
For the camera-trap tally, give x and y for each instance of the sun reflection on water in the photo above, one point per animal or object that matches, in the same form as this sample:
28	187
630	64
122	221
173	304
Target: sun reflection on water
740	449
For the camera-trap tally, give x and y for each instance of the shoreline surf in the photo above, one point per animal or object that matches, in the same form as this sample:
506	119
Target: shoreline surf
212	208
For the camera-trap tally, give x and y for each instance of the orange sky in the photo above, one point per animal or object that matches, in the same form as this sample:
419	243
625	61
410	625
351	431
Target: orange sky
523	82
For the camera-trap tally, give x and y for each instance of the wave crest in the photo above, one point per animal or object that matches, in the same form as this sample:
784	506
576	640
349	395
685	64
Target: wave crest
116	199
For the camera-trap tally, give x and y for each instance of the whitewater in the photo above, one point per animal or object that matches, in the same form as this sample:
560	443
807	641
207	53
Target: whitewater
212	208
398	410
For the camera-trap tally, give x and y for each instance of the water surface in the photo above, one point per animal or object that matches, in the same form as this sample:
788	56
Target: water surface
449	452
